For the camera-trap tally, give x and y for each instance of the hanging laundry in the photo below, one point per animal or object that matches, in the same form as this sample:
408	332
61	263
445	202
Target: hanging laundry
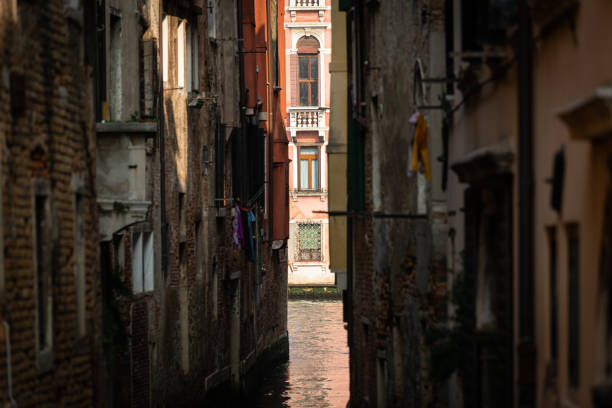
420	148
250	228
238	235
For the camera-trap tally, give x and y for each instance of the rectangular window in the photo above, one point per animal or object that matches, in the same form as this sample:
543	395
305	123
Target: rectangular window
116	62
195	80
552	268
573	246
309	168
180	58
308	80
191	55
188	57
43	268
166	45
142	262
79	263
309	241
212	32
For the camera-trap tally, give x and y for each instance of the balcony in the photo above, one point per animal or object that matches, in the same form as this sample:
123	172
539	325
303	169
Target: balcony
306	4
121	166
307	119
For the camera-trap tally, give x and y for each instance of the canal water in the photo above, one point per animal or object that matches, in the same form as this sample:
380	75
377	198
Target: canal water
317	374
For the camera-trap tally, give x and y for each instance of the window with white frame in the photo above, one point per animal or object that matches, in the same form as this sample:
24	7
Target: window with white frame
180	58
309	168
308	71
192	58
165	49
142	262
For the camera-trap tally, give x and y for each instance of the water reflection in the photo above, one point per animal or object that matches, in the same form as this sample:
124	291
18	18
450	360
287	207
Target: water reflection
317	372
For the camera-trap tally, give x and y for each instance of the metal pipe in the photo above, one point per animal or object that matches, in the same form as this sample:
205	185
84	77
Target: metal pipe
526	349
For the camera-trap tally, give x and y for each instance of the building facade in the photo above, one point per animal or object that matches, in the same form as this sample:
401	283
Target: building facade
515	97
337	148
144	212
529	155
396	206
50	327
193	235
307	55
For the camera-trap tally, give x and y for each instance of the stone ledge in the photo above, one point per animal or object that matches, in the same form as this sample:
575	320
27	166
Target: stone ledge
116	215
591	117
126	127
484	162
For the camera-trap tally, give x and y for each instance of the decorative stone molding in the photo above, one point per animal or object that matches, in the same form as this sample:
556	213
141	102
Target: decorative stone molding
483	163
591	117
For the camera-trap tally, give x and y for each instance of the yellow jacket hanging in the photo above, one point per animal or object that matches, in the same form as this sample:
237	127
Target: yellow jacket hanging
420	148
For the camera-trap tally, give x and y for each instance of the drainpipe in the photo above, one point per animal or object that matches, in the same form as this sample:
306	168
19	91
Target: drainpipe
9	367
162	153
526	347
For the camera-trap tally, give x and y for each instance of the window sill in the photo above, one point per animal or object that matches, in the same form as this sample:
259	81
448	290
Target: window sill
307	193
141	295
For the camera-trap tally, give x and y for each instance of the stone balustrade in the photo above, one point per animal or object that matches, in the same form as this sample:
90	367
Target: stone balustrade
307	3
307	119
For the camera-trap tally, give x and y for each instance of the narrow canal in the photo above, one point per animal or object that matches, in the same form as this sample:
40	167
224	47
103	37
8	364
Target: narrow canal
317	374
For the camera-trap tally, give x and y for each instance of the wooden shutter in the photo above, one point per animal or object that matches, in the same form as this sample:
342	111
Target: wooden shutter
293	72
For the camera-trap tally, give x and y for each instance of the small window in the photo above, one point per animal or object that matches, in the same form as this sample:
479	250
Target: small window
142	262
79	262
212	32
181	40
193	52
309	241
165	49
43	273
116	63
191	55
573	246
309	168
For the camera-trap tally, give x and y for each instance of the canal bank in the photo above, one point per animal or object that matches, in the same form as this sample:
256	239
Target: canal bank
314	293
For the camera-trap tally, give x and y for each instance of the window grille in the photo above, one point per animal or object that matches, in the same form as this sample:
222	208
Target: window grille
309	237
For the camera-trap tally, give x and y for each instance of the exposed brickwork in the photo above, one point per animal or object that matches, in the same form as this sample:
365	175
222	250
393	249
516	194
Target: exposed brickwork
398	285
140	355
181	332
46	131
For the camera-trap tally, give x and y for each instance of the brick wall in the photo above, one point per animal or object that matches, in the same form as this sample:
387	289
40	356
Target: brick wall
398	285
46	132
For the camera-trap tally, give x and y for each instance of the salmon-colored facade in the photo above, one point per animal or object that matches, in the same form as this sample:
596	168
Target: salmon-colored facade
263	97
307	54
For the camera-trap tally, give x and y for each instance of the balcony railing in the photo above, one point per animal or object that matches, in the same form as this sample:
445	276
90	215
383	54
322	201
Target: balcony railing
307	119
307	3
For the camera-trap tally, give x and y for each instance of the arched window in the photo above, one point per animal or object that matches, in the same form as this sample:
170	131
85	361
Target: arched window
308	71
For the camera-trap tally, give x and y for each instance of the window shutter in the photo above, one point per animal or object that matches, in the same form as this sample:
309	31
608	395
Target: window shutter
293	62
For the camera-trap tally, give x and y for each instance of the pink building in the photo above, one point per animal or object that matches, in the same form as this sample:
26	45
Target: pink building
308	54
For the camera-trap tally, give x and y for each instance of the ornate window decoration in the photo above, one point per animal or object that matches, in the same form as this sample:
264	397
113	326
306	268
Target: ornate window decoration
309	241
308	71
